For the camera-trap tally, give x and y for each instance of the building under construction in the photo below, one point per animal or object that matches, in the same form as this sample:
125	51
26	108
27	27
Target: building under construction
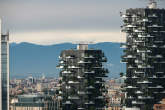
144	56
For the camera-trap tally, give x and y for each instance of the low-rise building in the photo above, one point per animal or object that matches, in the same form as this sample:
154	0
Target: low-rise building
160	106
34	102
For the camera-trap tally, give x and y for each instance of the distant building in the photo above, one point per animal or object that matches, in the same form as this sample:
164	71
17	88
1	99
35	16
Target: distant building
82	83
31	80
160	106
116	107
144	56
4	71
115	98
34	102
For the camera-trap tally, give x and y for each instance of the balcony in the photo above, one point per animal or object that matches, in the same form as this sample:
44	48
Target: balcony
149	36
68	103
138	61
163	92
153	77
123	61
88	92
162	31
89	72
153	46
125	16
152	16
69	57
67	87
139	41
145	20
159	56
146	66
162	46
142	97
59	97
62	62
129	56
141	72
144	36
97	67
100	97
159	86
144	82
131	67
130	26
61	67
104	59
135	77
99	82
90	103
81	92
137	103
73	67
73	82
130	97
160	72
156	87
131	87
155	26
65	72
144	51
124	77
162	77
90	87
139	92
99	77
73	97
138	31
83	62
159	62
89	57
123	45
79	77
158	41
81	108
59	57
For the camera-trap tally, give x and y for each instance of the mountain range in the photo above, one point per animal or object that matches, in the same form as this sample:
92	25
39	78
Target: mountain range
37	60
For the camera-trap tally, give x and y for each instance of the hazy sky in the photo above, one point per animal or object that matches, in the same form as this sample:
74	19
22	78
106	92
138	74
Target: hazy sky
57	21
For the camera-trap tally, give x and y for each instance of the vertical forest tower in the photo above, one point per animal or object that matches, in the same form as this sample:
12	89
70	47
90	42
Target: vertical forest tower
82	83
144	56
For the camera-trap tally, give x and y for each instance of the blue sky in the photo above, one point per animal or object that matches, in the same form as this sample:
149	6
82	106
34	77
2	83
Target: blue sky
56	21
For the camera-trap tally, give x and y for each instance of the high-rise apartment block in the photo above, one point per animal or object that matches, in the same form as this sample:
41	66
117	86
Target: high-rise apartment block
82	79
144	56
4	71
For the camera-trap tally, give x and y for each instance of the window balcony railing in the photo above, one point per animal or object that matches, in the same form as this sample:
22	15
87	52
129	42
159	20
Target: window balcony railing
137	103
144	82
